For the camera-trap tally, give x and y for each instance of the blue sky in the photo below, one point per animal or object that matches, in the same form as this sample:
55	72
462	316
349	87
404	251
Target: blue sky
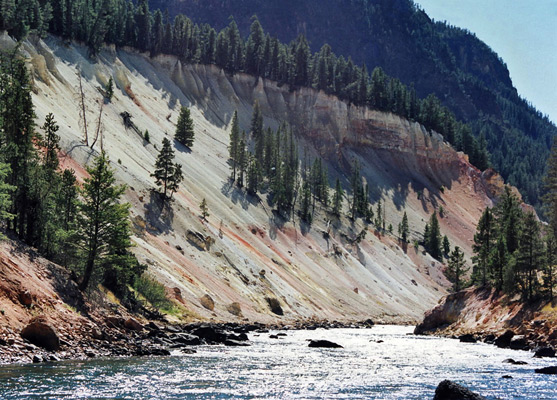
522	32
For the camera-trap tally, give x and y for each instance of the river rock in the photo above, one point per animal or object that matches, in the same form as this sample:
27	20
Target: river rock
504	340
467	338
547	370
449	390
207	302
325	344
42	334
234	309
185	339
544	352
519	342
133	325
209	334
25	298
514	362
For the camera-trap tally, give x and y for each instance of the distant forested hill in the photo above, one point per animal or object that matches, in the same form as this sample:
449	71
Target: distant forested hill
461	70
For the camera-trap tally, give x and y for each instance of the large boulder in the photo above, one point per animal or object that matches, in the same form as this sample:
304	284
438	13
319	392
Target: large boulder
547	370
42	334
133	325
325	344
274	305
209	334
545	352
519	342
449	390
504	340
207	302
467	338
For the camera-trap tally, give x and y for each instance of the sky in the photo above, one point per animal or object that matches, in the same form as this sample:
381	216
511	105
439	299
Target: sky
522	32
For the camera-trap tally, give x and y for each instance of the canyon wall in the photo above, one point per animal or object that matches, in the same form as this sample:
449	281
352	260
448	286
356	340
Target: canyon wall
246	258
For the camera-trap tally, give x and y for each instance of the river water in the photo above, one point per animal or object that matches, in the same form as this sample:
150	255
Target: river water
403	366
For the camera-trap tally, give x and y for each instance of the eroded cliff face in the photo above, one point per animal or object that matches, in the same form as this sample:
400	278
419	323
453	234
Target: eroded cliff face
255	259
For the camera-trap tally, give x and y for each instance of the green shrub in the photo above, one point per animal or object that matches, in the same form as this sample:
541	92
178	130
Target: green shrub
153	291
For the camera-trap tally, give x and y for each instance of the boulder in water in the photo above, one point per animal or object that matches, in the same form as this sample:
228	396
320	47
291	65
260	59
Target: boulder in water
467	338
545	352
547	370
325	344
449	390
505	339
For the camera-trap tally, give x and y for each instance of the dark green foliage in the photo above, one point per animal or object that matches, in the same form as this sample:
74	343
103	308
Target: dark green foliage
550	186
510	252
257	132
147	136
337	198
432	237
152	290
253	175
549	271
91	236
529	257
234	145
168	175
305	208
403	229
446	246
184	128
456	269
204	209
483	244
103	230
109	89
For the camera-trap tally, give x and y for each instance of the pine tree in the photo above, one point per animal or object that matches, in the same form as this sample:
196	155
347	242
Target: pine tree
253	175
403	230
446	246
184	128
483	243
242	155
103	229
456	269
337	198
550	268
168	175
379	215
550	185
529	256
257	132
109	89
204	209
305	208
234	145
432	237
499	261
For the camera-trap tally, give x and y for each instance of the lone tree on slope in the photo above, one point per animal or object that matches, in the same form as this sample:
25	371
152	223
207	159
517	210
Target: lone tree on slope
184	128
103	233
168	174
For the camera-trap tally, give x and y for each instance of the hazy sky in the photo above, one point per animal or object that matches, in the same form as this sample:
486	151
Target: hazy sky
522	32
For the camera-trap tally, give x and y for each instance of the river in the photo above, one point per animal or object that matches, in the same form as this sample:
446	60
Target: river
402	366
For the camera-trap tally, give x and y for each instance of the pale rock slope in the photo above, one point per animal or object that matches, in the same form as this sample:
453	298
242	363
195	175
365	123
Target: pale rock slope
255	256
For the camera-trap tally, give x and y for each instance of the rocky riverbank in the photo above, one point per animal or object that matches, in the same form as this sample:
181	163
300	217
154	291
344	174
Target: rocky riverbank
483	314
116	336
